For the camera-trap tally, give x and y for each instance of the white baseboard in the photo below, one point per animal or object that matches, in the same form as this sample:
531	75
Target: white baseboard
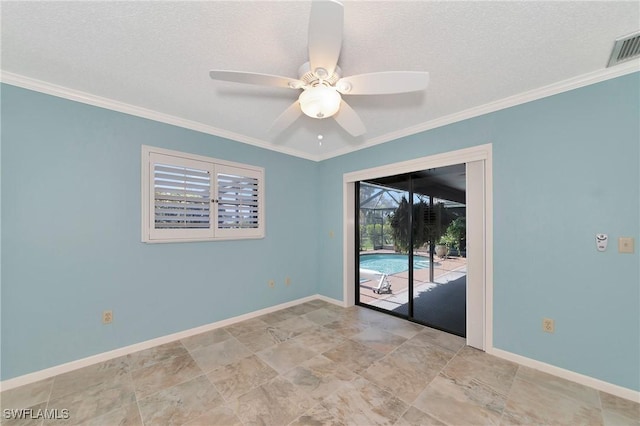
568	374
331	300
105	356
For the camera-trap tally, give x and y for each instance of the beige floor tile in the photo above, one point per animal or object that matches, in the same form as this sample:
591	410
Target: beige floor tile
346	327
180	404
361	402
319	377
554	384
277	316
378	339
285	356
396	377
317	416
240	377
408	370
219	416
162	375
301	309
421	360
246	327
614	406
613	418
156	354
266	337
296	326
431	336
17	417
277	402
128	415
471	403
26	396
319	340
415	417
472	363
397	326
321	316
95	400
83	378
353	356
536	403
205	339
218	354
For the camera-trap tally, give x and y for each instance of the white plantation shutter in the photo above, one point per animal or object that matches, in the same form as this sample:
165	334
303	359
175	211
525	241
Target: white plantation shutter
190	198
238	200
181	197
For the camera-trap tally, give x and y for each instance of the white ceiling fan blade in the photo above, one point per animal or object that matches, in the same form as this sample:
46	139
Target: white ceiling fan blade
285	119
383	83
349	120
256	78
325	36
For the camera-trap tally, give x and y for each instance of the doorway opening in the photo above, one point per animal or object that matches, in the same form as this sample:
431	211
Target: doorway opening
411	256
479	224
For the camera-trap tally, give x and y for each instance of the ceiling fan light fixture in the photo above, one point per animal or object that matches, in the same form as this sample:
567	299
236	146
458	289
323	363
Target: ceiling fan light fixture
320	101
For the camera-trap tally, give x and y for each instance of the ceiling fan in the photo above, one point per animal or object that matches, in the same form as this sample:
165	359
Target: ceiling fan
321	79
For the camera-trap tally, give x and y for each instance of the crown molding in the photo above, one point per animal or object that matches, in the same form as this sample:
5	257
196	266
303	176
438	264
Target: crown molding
532	95
111	104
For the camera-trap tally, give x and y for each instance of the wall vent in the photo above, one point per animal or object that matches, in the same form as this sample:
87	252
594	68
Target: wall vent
625	49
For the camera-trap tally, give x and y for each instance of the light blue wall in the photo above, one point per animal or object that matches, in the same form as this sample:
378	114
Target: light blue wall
71	236
565	168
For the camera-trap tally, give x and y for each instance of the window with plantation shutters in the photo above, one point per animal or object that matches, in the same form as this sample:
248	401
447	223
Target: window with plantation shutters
194	198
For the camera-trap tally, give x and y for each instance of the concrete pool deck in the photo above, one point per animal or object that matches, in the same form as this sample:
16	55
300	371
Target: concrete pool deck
444	270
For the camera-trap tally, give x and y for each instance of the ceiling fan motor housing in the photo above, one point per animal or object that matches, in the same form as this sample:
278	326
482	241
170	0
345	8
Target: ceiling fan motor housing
310	79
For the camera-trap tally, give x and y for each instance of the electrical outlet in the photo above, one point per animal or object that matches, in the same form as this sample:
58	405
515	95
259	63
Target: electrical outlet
625	245
548	325
272	283
287	281
107	317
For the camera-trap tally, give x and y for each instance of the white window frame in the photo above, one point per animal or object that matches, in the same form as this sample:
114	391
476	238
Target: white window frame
152	155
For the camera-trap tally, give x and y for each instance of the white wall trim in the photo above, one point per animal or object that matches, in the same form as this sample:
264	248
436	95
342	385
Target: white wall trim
474	153
99	101
105	356
511	101
532	95
598	384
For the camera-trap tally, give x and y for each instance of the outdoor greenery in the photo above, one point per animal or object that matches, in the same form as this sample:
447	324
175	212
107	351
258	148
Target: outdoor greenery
423	231
375	235
455	234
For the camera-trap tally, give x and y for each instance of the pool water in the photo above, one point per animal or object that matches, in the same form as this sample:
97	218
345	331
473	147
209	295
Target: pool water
392	263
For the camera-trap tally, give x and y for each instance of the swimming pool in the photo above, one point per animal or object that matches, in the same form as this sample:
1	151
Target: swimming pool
392	263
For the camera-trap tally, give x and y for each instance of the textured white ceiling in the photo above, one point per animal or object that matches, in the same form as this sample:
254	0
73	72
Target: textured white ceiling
156	55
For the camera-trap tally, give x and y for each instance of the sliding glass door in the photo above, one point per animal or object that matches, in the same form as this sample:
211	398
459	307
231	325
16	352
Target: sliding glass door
383	273
439	282
412	236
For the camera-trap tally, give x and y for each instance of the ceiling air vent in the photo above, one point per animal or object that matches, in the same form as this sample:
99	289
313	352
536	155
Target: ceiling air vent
625	49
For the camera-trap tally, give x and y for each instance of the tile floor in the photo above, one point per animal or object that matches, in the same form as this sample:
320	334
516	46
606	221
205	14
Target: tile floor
317	364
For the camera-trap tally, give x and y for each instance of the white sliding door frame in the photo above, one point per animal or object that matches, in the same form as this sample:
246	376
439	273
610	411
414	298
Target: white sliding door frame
480	229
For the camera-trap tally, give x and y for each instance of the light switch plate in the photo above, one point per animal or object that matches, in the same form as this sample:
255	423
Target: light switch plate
625	245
